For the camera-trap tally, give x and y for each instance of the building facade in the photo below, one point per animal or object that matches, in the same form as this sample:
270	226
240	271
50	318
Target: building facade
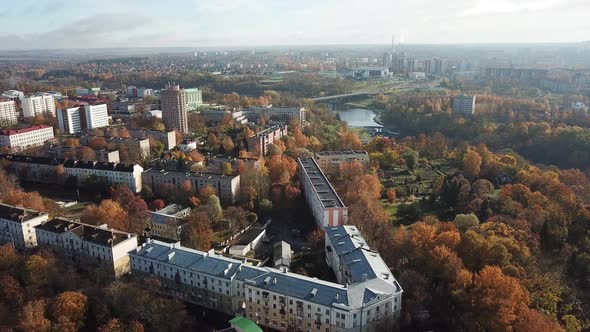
331	160
274	298
464	105
8	114
194	98
163	182
97	116
259	144
37	105
325	204
174	108
168	138
280	114
167	222
26	137
69	120
17	225
89	246
45	170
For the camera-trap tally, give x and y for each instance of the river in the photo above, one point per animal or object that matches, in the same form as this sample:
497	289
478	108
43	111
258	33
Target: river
357	117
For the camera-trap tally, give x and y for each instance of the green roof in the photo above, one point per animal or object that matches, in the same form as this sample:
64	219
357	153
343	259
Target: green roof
244	324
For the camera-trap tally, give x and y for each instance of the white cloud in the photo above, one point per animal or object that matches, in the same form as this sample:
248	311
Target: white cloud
487	7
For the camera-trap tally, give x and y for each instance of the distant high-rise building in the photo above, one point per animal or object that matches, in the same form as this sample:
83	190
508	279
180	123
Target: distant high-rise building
37	105
174	108
194	98
464	104
439	67
428	70
8	115
388	60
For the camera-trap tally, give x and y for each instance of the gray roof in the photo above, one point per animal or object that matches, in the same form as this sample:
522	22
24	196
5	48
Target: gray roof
320	183
198	261
363	264
345	239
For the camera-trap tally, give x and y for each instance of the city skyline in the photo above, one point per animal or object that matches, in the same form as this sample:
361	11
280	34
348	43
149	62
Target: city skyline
110	24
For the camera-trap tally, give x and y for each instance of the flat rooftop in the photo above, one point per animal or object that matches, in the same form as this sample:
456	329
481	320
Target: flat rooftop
14	213
321	185
338	153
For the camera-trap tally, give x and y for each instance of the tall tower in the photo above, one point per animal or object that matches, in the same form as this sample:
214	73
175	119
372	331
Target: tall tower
174	108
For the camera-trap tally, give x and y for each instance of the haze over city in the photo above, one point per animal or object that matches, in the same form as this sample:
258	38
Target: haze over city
46	24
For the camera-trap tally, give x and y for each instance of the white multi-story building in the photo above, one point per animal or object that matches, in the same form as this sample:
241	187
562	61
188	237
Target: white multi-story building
26	137
86	244
44	170
17	225
69	120
97	116
325	204
37	105
8	114
194	98
164	182
331	160
274	298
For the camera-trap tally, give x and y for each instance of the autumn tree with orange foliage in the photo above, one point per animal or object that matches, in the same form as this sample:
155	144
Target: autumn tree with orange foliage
108	212
281	169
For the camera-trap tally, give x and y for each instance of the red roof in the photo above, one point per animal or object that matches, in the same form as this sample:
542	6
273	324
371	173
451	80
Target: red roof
8	132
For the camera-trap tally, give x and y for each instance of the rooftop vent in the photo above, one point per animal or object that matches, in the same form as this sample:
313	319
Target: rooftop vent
314	292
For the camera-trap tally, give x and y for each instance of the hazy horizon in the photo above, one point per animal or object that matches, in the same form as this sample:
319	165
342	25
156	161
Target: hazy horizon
62	24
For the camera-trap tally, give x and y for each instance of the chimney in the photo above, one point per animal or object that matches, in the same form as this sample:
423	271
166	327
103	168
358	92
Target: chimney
365	276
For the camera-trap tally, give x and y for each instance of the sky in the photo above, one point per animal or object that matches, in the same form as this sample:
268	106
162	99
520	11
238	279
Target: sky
58	24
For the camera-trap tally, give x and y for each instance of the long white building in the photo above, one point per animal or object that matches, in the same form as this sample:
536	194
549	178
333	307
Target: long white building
331	160
44	170
26	137
8	114
325	204
37	105
274	298
17	225
89	245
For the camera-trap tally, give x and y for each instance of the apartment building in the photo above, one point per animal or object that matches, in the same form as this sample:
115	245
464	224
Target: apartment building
70	120
8	114
259	144
44	170
17	225
168	138
71	152
88	245
281	114
26	137
97	116
38	105
174	108
194	98
163	182
464	105
167	222
325	204
274	298
331	160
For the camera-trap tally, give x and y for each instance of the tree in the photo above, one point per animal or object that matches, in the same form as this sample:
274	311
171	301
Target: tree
32	317
228	145
497	300
206	192
69	309
197	233
97	143
226	169
316	238
281	169
472	164
411	158
157	204
214	209
349	140
114	325
108	212
391	195
466	221
85	153
71	142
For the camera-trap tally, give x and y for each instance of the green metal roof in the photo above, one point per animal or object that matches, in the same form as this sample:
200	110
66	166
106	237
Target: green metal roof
244	324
